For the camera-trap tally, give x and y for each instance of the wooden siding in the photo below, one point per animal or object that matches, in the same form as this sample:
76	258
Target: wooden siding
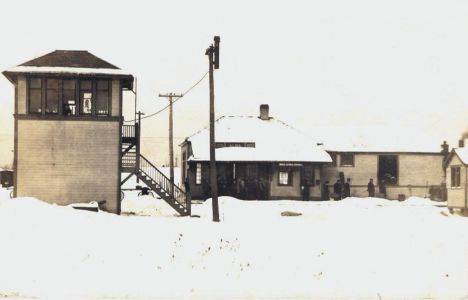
21	98
416	173
456	195
292	191
115	105
67	162
365	167
420	170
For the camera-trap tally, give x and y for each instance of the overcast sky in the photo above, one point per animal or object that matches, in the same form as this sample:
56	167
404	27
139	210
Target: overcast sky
398	65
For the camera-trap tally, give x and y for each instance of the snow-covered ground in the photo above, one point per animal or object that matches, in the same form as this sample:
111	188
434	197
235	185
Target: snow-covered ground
355	248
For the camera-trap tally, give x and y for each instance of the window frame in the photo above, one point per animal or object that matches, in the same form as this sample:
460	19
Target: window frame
341	159
60	90
97	89
198	174
454	175
75	97
289	172
46	97
28	91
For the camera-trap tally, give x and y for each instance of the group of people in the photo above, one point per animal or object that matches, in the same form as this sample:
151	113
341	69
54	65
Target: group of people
242	188
340	190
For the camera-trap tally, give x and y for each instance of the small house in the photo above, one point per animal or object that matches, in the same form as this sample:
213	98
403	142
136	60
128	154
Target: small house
257	157
457	180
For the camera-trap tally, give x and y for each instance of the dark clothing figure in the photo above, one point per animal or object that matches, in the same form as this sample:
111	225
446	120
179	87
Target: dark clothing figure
67	110
206	189
325	191
337	190
383	188
347	189
241	188
221	186
371	188
262	187
187	185
305	191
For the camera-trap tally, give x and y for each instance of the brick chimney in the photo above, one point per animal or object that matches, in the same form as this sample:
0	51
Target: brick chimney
461	143
264	112
445	148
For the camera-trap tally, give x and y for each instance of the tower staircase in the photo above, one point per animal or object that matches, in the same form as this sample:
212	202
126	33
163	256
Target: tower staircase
136	164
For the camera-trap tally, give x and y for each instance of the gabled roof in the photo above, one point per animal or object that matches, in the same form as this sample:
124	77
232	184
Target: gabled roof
68	62
462	154
70	58
274	141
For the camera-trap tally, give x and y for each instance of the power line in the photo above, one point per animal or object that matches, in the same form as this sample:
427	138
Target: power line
174	101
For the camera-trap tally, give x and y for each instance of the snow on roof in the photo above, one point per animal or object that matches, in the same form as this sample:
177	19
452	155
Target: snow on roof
274	141
70	62
375	139
67	70
462	154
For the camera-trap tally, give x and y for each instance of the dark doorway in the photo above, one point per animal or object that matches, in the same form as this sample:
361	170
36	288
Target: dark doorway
388	169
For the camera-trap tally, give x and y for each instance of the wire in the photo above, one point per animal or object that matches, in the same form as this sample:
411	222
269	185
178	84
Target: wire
164	108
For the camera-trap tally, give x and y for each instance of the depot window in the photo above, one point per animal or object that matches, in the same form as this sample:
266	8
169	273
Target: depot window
347	159
285	176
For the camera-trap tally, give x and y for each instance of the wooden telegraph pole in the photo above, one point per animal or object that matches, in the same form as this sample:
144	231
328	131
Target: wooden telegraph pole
213	60
170	96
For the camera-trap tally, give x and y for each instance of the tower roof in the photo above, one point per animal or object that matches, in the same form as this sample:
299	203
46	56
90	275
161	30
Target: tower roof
70	58
69	63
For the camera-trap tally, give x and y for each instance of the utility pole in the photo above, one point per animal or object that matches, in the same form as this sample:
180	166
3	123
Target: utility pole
213	61
170	96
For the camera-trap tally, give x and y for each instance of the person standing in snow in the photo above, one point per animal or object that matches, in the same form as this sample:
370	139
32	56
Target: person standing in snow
305	191
187	185
325	191
337	190
347	188
371	188
206	189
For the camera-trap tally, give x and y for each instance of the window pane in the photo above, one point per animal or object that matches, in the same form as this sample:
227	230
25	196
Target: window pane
347	159
35	101
102	102
52	83
85	85
69	84
86	102
284	178
69	102
103	84
52	101
35	83
198	174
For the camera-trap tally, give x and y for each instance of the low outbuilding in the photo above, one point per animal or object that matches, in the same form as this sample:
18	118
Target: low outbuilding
457	180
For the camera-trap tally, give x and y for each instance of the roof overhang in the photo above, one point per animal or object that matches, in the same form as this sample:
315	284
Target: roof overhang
12	73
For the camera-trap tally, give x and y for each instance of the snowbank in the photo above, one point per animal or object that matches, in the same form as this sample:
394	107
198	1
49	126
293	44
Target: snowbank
355	248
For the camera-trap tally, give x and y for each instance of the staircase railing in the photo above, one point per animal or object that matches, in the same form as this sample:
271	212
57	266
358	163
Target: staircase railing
128	131
172	190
